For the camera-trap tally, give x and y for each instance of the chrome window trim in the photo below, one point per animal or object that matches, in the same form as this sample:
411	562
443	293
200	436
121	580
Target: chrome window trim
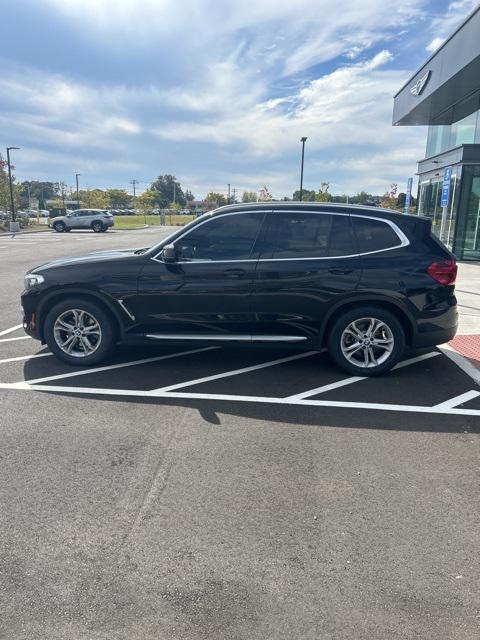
404	241
224	215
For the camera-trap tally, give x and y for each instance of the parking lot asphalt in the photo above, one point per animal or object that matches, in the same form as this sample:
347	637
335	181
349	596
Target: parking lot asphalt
214	493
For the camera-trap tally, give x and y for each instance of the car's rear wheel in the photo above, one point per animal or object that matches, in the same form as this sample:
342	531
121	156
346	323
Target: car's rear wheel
59	226
97	227
366	341
79	332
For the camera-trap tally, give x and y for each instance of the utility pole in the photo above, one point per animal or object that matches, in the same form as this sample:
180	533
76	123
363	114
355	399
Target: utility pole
228	197
234	195
302	140
10	181
134	183
174	191
76	180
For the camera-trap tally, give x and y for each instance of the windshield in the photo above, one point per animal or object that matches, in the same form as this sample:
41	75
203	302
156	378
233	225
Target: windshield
171	237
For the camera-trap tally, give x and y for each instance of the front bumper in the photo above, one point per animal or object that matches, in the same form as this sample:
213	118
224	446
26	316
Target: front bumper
29	307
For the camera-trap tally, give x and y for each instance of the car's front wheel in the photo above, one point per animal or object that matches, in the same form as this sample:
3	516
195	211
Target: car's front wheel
59	226
366	341
79	332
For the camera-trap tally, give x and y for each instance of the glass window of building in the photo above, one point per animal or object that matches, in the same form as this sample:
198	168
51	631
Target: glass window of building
442	137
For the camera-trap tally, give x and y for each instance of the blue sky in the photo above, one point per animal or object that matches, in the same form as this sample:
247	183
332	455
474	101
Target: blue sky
215	91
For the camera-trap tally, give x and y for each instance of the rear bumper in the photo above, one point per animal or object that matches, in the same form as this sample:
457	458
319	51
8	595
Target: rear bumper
432	338
436	329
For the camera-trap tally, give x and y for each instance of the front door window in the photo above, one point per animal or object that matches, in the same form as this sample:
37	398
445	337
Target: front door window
226	238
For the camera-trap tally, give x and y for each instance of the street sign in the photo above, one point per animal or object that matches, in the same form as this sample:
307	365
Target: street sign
447	175
408	197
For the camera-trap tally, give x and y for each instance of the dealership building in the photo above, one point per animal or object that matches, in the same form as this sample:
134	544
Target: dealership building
445	95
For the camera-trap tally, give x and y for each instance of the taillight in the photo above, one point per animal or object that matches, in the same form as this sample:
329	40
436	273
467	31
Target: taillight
444	272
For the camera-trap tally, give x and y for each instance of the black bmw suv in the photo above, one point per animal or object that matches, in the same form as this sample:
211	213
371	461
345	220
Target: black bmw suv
365	282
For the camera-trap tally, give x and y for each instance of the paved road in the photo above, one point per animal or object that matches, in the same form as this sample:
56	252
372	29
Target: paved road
230	493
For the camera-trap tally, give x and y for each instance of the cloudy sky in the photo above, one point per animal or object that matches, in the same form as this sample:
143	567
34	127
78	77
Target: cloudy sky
215	91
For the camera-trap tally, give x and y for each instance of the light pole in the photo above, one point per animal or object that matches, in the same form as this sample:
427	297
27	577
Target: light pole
10	182
302	140
76	180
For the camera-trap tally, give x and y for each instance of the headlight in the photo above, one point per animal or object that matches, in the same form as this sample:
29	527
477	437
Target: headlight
32	279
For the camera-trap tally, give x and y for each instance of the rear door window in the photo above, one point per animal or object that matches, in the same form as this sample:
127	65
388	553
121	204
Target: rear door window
374	235
311	235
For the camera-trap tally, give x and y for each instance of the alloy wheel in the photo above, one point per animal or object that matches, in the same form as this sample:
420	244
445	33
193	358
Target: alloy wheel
367	342
77	333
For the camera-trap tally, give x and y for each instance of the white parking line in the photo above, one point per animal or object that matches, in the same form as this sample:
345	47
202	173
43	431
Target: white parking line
326	387
353	379
37	355
235	372
22	386
454	402
18	338
131	363
11	330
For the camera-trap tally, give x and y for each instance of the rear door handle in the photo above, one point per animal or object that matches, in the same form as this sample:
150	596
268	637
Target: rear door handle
234	273
340	272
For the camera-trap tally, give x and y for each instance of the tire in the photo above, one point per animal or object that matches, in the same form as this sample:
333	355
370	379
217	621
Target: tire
59	226
353	328
97	226
67	229
98	330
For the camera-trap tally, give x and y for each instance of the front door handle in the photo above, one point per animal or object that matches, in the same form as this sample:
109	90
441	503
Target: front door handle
234	273
340	272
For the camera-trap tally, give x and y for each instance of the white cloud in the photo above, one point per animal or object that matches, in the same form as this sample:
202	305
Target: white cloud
244	97
435	44
444	24
291	36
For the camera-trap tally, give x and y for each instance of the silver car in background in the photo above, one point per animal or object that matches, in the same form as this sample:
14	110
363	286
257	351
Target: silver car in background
97	220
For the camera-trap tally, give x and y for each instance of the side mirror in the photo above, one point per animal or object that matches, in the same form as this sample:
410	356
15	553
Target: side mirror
169	253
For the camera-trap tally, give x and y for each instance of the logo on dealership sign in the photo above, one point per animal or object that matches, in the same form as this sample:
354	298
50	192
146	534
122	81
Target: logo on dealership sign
419	85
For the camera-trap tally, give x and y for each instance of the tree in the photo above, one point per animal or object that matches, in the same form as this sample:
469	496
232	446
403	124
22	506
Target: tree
323	194
189	197
118	198
39	191
361	198
264	194
400	203
168	190
389	199
147	200
4	193
92	198
5	204
249	196
307	196
213	200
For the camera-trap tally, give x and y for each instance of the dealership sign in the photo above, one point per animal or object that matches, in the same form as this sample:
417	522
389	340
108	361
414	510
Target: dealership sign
408	197
447	176
419	85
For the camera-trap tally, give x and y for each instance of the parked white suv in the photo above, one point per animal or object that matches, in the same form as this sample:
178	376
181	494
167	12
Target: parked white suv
97	220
